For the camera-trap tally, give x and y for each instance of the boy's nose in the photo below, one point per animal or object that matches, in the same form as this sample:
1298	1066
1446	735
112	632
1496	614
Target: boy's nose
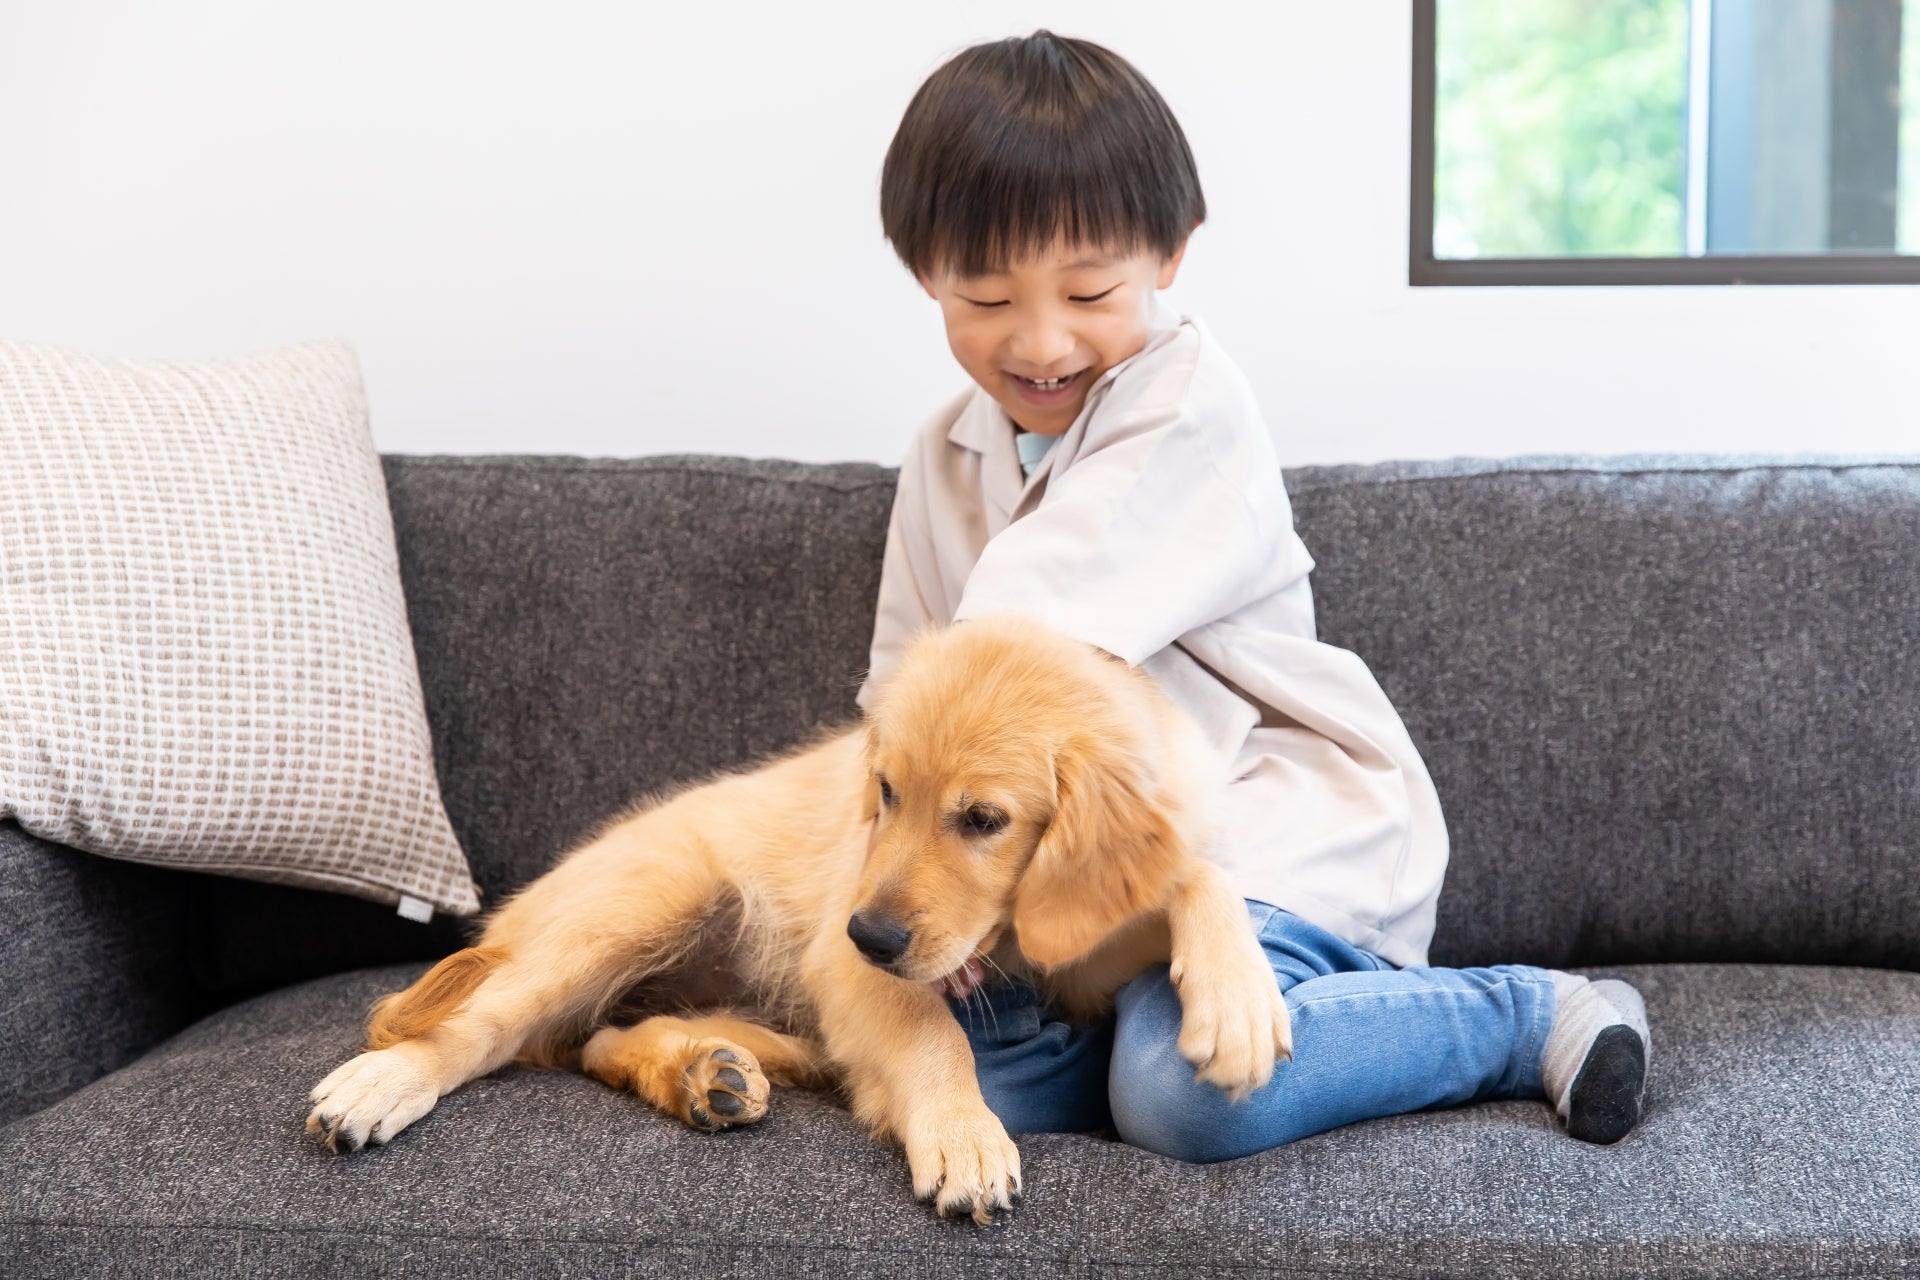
1042	347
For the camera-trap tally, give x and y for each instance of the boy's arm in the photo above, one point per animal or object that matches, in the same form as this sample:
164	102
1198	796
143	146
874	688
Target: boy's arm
1171	524
903	608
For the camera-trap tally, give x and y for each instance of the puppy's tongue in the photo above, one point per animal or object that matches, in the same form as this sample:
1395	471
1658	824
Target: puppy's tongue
959	984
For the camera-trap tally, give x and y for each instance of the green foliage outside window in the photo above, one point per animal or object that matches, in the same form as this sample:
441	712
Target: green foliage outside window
1561	128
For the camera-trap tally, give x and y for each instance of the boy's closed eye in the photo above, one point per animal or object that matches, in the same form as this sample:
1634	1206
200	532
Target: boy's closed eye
1003	302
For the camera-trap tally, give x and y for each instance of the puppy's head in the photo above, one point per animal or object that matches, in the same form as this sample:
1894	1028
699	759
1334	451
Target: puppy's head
1015	782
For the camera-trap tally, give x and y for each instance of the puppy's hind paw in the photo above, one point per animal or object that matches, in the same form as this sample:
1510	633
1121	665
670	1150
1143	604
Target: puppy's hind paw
722	1086
707	1082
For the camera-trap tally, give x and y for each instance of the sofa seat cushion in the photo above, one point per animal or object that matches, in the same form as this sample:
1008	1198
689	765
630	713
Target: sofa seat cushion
1779	1137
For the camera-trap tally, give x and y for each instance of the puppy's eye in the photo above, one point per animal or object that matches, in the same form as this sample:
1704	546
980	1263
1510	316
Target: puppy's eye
982	821
886	792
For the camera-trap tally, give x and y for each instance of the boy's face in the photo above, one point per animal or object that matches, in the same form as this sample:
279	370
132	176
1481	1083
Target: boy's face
1073	312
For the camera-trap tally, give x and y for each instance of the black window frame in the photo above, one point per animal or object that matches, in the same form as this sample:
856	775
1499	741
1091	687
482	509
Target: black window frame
1424	269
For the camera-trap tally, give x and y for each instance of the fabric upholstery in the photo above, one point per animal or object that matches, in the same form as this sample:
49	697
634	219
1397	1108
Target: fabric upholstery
1670	704
204	658
1778	1139
94	967
590	630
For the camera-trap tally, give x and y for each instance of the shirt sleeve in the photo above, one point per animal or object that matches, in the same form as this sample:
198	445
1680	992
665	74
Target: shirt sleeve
1169	524
904	608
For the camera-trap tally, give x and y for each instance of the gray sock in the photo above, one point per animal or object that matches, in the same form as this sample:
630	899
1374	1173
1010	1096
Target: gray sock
1594	1068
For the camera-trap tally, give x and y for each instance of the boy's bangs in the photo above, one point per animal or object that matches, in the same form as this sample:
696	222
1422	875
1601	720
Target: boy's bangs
1025	196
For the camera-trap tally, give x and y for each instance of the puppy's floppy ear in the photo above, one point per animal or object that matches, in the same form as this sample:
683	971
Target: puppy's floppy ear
870	798
1110	854
870	813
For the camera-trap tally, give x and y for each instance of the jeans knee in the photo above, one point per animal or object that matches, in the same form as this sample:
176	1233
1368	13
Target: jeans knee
1157	1104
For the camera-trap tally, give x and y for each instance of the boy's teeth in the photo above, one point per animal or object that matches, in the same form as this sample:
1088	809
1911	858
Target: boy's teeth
1048	384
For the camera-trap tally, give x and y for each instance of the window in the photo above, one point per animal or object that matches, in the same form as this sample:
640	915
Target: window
1666	141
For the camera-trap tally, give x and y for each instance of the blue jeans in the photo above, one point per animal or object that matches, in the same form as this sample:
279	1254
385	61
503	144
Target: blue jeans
1369	1040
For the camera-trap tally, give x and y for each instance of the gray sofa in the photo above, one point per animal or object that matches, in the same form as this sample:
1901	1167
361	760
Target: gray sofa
1672	707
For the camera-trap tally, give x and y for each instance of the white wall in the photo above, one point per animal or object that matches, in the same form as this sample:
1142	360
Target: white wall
626	229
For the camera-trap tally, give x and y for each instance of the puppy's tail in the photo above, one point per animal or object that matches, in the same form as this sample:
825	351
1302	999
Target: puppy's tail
437	996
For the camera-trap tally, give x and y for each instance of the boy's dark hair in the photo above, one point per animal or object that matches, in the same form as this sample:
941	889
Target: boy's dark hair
1013	143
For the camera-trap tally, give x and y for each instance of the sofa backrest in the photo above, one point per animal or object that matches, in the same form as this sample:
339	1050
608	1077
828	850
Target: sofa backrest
1672	706
590	630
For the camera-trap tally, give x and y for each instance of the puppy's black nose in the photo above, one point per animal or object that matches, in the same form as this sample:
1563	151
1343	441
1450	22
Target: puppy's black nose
879	939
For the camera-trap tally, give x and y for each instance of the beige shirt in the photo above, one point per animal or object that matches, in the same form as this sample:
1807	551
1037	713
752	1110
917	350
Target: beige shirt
1159	530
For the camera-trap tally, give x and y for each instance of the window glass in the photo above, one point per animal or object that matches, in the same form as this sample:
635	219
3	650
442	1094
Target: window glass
1675	128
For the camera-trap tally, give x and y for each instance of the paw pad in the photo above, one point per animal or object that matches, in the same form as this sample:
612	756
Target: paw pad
723	1087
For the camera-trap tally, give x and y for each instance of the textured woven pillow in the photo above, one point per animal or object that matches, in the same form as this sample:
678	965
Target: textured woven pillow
205	661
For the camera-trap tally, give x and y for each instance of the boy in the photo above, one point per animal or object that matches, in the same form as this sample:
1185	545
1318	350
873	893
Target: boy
1109	473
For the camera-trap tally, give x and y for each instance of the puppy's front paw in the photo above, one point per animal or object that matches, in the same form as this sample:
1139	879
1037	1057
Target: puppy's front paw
370	1098
1233	1024
963	1160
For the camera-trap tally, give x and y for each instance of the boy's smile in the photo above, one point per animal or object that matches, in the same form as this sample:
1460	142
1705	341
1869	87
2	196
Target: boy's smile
1037	334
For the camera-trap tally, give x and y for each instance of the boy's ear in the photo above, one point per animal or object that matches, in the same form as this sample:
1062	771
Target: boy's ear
1110	854
1170	267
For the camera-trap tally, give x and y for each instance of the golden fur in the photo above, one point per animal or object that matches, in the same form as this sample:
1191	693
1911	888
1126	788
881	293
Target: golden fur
1014	799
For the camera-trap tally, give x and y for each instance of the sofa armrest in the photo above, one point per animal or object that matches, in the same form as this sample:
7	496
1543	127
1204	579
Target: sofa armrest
93	967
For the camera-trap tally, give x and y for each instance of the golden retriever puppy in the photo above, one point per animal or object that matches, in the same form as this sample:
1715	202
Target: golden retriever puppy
1015	800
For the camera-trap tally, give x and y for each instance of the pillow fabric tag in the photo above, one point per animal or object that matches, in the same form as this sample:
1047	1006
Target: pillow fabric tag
413	908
